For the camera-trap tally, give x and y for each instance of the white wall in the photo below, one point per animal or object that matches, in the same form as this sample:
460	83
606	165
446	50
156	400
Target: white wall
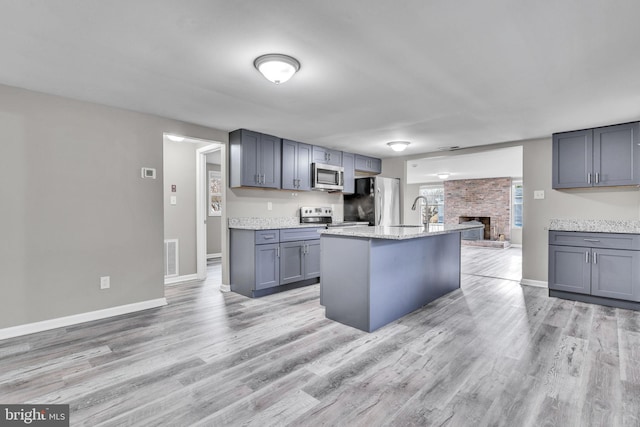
74	206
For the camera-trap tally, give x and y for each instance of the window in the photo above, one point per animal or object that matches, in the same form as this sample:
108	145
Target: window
433	210
517	203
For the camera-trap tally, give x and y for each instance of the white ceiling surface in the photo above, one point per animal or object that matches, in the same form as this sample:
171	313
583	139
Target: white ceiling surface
436	73
503	162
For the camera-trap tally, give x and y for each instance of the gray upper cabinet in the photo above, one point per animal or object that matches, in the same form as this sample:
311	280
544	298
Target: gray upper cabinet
327	156
368	164
349	166
296	165
600	157
254	159
616	155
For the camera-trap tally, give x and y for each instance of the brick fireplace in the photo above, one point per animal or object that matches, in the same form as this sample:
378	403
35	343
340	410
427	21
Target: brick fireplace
472	199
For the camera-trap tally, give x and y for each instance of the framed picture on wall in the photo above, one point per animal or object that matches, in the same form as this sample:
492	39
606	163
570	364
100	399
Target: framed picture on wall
215	193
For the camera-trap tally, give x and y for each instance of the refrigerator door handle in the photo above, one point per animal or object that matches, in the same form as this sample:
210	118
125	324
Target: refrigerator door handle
380	205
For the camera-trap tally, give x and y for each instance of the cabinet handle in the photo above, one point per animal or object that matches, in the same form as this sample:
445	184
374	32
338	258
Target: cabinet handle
304	249
597	177
278	252
589	178
586	257
591	240
595	257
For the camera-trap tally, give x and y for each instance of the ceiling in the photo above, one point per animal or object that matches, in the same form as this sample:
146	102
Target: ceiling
437	73
498	163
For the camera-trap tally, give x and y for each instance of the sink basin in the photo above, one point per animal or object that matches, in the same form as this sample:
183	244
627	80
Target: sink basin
407	226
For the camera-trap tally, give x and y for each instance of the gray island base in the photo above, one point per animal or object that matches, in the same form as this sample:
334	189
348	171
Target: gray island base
371	276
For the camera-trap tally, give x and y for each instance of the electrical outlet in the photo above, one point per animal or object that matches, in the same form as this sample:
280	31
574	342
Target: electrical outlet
105	282
173	200
269	206
538	194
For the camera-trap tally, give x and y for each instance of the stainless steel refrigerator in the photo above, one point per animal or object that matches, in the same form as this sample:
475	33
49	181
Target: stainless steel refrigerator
376	200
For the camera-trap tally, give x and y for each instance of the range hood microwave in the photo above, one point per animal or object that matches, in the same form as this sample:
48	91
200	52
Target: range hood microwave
327	177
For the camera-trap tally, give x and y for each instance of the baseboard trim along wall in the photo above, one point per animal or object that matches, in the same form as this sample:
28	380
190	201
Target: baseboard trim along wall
180	279
225	288
536	283
61	322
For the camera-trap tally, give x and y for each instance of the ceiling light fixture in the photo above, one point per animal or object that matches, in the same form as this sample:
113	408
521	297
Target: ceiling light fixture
276	67
175	138
443	175
398	145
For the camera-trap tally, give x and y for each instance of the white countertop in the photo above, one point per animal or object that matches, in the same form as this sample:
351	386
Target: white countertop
397	233
596	225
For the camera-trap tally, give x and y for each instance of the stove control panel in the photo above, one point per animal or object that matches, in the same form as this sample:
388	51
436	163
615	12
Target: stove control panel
310	212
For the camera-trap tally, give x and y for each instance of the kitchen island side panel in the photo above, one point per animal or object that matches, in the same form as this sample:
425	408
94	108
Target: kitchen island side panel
406	275
344	280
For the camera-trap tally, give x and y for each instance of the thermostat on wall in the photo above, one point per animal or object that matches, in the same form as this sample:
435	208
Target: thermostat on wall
149	173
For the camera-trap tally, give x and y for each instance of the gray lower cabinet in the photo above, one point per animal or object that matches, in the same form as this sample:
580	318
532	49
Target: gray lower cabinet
267	266
601	268
267	261
600	157
299	261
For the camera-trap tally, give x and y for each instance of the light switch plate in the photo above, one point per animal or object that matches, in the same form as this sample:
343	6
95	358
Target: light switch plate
269	206
538	194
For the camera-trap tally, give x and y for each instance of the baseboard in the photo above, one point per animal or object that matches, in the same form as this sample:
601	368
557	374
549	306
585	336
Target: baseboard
225	288
211	256
516	245
180	279
61	322
535	283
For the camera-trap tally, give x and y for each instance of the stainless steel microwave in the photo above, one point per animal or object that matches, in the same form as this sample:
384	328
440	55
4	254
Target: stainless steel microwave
327	177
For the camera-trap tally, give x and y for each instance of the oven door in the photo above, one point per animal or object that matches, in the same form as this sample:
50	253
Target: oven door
327	177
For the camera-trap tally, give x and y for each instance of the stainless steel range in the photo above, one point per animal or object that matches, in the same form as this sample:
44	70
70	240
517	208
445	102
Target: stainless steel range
323	215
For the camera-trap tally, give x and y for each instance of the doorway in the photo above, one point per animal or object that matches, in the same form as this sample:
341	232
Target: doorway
185	182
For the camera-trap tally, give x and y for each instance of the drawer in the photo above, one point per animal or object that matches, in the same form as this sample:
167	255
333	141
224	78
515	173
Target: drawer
595	240
293	234
267	236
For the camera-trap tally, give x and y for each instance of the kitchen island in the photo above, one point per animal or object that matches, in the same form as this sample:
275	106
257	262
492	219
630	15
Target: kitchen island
372	276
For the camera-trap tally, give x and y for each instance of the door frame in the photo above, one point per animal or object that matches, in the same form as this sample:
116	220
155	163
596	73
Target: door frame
202	206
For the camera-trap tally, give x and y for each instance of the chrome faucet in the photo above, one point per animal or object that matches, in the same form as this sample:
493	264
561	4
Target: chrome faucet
415	202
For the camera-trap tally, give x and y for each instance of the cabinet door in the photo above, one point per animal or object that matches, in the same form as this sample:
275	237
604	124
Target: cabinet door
267	266
348	163
289	164
312	259
269	161
615	274
570	269
291	262
368	164
249	143
572	159
616	155
327	156
303	167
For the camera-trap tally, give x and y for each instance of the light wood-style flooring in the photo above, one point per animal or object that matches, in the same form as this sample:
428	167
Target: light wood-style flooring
491	353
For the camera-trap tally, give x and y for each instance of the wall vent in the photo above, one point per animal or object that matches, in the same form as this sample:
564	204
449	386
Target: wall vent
170	257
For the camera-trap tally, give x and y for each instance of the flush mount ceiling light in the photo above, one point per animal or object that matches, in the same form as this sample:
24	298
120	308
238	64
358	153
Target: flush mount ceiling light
276	67
443	175
398	145
175	138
